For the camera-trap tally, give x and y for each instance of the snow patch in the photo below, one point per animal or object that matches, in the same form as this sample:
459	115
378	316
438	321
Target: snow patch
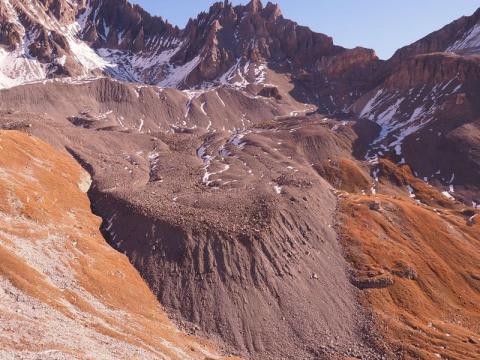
411	191
448	195
469	41
178	75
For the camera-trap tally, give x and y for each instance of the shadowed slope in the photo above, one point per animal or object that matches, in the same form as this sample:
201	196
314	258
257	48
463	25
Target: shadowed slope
65	292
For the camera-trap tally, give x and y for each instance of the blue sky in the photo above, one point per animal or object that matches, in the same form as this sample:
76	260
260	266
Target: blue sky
384	25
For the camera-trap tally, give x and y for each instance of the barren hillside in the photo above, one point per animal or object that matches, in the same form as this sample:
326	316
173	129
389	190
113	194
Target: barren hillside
65	292
272	192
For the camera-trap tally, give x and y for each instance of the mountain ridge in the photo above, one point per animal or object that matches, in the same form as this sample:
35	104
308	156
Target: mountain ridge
280	195
160	54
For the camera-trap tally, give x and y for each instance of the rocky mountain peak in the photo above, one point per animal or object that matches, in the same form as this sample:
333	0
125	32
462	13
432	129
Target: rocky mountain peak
273	10
117	24
228	45
254	6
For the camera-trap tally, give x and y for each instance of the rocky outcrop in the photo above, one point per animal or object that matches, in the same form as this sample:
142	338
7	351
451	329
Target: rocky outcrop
117	24
441	40
253	33
233	46
424	103
435	68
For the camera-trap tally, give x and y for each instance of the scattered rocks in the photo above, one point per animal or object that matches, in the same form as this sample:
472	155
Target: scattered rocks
404	271
17	125
372	281
375	206
270	92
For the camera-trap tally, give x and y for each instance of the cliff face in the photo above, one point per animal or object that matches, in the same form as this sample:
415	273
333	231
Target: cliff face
242	47
460	36
425	103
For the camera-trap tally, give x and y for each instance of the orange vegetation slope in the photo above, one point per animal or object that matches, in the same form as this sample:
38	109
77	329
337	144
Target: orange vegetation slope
64	292
418	265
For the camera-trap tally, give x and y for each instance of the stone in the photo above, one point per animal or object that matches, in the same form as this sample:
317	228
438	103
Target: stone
472	220
375	206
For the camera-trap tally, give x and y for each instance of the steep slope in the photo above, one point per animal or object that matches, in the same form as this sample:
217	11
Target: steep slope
461	36
39	40
109	105
248	235
65	293
216	265
427	111
415	254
